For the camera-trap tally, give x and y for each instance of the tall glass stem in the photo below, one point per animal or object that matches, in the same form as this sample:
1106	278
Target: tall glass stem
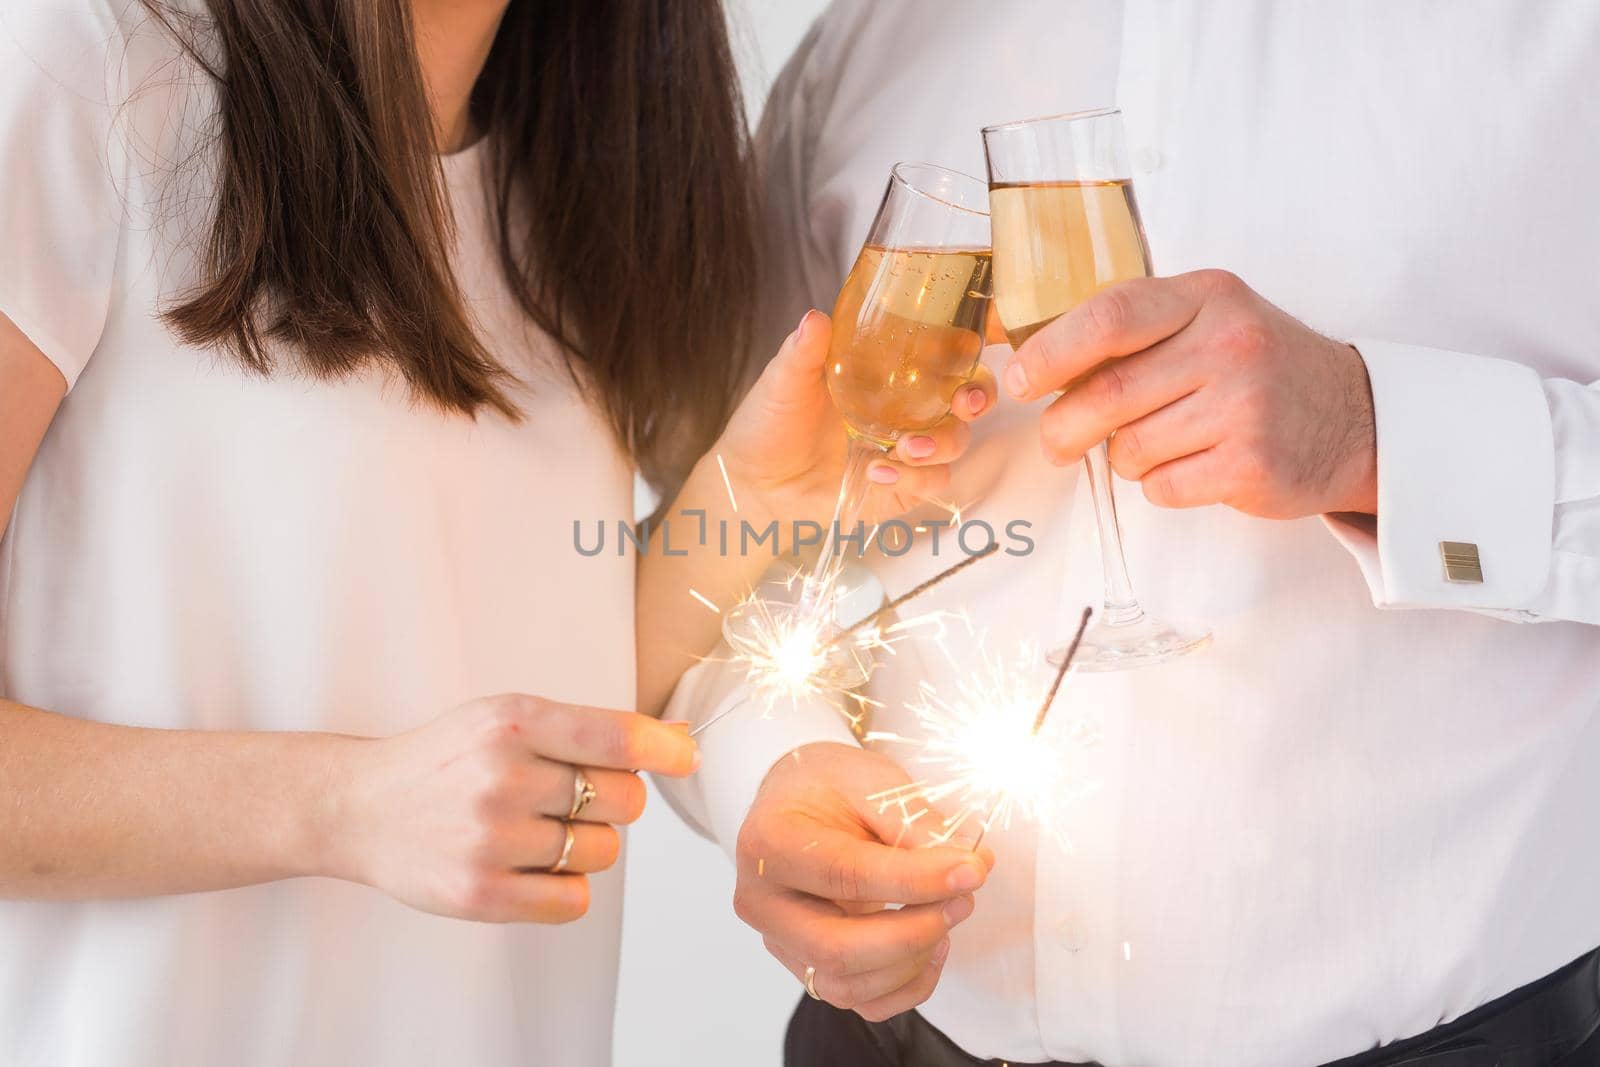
1121	607
819	588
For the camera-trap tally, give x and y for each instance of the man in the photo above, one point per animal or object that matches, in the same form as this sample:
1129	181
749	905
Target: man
1363	823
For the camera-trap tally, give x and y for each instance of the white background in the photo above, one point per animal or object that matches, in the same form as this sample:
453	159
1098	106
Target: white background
697	986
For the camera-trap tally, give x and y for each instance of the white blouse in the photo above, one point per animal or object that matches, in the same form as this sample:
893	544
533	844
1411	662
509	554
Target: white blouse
196	547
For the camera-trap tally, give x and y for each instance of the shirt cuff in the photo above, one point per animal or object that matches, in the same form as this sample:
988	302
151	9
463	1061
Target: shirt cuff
738	752
1465	454
740	747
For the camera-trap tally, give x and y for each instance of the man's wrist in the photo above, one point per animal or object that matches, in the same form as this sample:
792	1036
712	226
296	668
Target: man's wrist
1358	483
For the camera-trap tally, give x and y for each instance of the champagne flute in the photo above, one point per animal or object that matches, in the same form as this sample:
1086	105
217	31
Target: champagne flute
908	329
1066	225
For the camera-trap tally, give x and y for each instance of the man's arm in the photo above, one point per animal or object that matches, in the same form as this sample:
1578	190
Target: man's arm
1458	481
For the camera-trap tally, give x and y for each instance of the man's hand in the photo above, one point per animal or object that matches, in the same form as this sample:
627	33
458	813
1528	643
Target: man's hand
1213	395
817	862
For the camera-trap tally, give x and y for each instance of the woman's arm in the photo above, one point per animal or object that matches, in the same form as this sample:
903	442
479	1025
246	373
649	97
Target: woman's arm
30	391
94	810
88	809
784	451
461	816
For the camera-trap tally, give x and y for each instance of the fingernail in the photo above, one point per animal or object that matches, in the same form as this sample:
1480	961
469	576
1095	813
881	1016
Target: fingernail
883	474
1016	379
676	724
941	952
919	447
966	878
957	910
977	400
805	320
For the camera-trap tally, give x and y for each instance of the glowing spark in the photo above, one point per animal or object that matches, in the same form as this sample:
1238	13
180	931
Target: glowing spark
787	654
706	601
1127	951
723	467
761	872
983	757
795	653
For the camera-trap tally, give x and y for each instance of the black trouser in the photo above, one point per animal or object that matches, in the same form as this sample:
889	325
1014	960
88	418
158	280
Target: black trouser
1554	1022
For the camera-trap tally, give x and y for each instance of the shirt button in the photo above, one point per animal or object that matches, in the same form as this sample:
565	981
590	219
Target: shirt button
1148	160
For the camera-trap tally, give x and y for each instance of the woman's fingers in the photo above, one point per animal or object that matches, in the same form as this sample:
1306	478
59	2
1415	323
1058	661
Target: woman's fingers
943	443
618	796
977	397
532	897
948	440
593	737
906	485
538	844
793	380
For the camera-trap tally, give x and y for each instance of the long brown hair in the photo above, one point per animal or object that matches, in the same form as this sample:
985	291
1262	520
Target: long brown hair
620	182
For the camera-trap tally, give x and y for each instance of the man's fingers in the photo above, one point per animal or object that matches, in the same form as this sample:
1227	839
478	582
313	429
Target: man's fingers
1115	394
841	944
1194	481
836	866
847	991
1117	321
909	995
597	737
1184	427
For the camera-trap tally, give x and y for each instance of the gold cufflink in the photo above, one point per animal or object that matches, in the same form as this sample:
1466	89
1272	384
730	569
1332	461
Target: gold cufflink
1461	563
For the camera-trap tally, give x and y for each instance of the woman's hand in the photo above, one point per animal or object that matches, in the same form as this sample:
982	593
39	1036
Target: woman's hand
785	445
465	816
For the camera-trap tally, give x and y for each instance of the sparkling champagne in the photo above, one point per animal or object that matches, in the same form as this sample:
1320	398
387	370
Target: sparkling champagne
1060	243
907	333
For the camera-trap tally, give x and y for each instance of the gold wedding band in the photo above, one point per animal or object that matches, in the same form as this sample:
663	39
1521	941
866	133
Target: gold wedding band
583	793
811	983
566	850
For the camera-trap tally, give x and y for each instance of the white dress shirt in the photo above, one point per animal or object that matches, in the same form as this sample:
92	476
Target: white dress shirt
1373	803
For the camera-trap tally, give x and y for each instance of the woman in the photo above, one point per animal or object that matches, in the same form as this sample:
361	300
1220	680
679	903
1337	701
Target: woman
321	321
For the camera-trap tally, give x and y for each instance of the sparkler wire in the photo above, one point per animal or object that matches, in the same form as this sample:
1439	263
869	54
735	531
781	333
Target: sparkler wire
825	648
917	590
718	717
1044	709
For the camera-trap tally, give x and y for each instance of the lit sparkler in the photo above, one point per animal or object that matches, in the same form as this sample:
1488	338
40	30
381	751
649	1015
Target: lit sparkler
982	750
792	652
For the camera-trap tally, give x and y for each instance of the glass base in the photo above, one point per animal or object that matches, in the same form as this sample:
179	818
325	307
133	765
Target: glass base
1129	645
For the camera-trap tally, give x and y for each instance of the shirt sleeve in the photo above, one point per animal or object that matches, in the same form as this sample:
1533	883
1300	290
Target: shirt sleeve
740	747
61	200
1480	461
